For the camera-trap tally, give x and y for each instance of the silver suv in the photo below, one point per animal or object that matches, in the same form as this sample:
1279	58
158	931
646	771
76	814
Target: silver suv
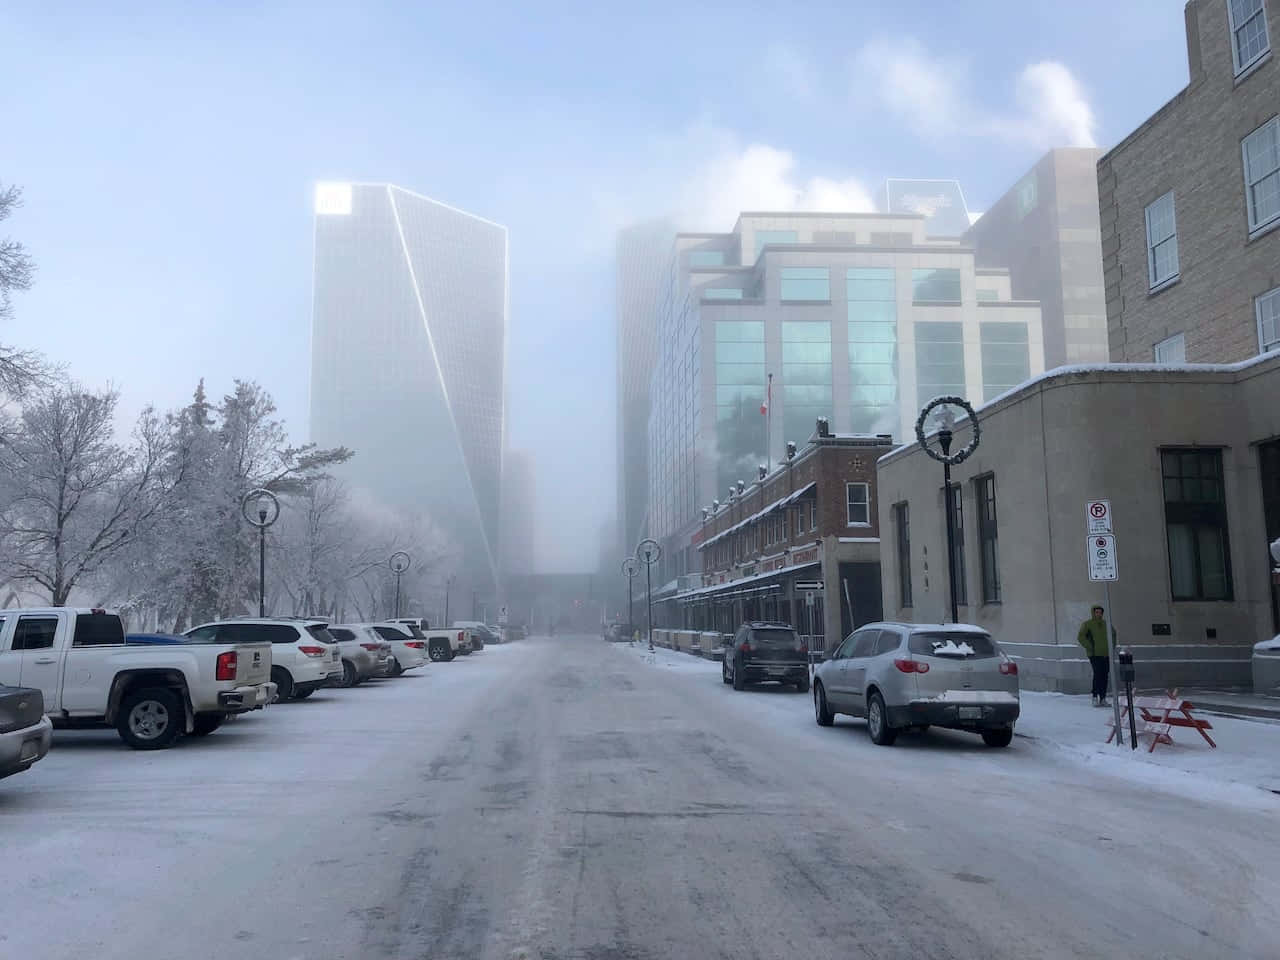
913	675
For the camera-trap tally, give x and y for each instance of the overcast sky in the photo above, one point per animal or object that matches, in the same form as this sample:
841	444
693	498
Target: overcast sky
169	151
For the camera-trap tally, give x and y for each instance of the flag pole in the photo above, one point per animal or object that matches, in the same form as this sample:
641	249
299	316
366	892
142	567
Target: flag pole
768	424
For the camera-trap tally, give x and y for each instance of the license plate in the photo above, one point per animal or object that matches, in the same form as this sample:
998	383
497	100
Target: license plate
30	750
970	713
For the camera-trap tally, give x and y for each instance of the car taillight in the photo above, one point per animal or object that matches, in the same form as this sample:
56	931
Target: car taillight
460	635
313	651
416	644
911	666
226	669
1009	668
746	647
372	646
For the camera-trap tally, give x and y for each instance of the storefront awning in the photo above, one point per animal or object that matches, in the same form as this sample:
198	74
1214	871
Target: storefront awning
735	586
777	504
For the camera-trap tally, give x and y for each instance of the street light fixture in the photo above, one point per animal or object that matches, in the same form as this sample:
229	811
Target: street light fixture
448	582
647	552
261	509
946	435
399	562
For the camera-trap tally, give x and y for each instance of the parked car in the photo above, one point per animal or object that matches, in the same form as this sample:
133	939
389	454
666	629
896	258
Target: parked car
408	645
363	655
152	693
766	650
445	644
914	675
304	657
25	732
477	632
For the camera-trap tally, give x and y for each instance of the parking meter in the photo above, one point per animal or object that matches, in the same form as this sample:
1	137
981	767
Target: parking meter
1124	657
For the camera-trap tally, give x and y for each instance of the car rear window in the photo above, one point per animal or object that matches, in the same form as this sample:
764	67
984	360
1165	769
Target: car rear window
774	637
321	633
98	630
389	633
342	635
414	631
965	646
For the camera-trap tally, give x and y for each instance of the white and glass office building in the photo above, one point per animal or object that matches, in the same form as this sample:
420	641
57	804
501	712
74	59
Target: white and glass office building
860	318
408	355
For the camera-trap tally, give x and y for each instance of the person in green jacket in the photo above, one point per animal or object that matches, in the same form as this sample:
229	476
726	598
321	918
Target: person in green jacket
1093	637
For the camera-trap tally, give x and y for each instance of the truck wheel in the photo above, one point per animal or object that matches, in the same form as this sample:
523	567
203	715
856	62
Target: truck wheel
438	650
803	685
283	680
998	736
151	718
206	723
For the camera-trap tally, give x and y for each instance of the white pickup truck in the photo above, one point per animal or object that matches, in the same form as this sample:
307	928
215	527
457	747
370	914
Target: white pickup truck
151	692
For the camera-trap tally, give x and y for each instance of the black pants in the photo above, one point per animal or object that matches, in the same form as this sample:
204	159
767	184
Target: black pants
1101	673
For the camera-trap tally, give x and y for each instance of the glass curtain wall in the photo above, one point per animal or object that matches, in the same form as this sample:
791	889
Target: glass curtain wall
740	387
806	376
873	349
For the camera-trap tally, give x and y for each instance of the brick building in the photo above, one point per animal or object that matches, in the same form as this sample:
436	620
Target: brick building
813	519
1190	202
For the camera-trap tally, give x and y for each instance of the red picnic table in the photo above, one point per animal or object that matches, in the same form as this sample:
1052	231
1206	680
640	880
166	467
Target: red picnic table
1159	715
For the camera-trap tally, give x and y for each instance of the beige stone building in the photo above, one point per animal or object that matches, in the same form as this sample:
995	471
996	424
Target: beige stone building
1190	202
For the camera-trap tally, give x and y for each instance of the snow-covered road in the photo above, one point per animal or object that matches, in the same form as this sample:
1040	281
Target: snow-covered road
564	798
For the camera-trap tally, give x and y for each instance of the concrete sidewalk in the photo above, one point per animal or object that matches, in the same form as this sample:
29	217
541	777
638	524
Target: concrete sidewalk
1232	703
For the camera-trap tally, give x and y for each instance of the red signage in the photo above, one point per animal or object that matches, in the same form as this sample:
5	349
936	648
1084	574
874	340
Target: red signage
808	555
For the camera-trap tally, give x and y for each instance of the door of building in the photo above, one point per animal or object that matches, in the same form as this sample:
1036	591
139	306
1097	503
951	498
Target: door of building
1269	471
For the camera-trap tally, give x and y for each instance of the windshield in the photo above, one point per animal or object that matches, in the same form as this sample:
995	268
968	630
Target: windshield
774	637
966	646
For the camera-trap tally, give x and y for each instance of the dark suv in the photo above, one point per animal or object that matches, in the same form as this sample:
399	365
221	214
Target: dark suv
764	650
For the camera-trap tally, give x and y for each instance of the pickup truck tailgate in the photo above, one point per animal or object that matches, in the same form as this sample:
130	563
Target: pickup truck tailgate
20	707
253	662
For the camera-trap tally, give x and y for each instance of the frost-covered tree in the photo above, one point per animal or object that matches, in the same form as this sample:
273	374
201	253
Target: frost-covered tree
72	498
19	369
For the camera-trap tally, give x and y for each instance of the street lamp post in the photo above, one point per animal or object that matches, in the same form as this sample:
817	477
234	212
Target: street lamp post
946	435
630	570
648	553
261	509
448	582
399	562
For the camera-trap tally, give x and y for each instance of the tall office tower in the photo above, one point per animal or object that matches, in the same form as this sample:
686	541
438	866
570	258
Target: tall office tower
408	358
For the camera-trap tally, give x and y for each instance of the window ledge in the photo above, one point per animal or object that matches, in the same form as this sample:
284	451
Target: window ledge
1246	72
943	303
1164	285
1263	230
867	526
991	603
801	303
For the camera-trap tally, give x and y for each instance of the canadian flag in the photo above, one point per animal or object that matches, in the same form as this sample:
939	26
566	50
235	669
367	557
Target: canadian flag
764	407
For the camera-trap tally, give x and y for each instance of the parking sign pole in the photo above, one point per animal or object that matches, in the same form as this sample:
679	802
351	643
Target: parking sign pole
1111	652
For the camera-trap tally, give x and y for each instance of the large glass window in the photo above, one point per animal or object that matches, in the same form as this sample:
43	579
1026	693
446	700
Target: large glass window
740	389
1195	516
1268	309
806	376
902	534
764	237
1162	242
1006	357
721	293
987	295
984	489
1262	173
939	360
1249	40
805	283
873	349
706	258
935	285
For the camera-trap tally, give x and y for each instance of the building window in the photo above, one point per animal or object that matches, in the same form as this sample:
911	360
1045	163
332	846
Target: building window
902	528
805	283
1028	196
873	349
1268	310
986	295
1262	173
1195	517
858	500
1006	357
939	360
783	521
984	489
764	237
1162	242
890	239
957	511
1249	39
721	293
806	376
800	511
813	516
740	390
706	258
937	285
1172	350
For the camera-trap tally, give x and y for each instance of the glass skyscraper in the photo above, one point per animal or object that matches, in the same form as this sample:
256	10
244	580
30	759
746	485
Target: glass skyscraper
408	355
